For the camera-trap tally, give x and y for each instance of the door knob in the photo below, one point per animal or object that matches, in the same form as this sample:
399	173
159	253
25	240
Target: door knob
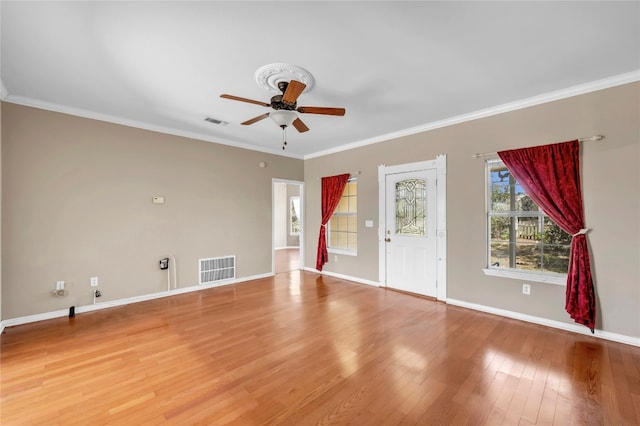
388	240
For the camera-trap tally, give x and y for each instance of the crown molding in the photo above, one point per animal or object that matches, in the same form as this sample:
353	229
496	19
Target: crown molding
79	112
581	89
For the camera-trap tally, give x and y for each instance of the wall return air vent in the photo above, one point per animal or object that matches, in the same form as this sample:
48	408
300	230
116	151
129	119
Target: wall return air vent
215	269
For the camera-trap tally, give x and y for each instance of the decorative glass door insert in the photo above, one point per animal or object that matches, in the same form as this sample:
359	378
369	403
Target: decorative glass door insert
411	195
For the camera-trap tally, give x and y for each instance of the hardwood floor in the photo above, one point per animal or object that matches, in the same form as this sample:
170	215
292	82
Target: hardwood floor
305	349
287	259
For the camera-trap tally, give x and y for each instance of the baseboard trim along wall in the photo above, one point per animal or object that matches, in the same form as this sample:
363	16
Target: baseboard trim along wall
113	303
575	328
344	277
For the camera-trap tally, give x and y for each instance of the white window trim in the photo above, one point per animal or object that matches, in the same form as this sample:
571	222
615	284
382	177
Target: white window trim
548	277
342	251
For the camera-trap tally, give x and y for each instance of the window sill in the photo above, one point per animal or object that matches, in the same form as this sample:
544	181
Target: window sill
341	251
550	278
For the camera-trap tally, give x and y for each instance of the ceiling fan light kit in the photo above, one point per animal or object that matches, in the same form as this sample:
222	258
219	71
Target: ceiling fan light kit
283	117
291	81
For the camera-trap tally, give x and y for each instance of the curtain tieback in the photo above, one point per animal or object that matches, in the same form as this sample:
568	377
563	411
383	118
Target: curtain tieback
581	232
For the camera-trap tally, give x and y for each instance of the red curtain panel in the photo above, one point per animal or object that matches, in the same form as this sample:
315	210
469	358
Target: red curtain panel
332	189
550	175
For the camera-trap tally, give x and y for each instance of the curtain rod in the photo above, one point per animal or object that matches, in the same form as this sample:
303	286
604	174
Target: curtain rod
590	138
353	174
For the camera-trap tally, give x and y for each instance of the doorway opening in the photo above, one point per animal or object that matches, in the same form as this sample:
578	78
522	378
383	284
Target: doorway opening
288	225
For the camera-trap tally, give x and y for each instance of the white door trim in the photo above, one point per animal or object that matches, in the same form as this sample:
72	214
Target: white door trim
440	164
273	219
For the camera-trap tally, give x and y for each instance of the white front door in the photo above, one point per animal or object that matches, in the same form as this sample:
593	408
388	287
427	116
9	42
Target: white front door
410	231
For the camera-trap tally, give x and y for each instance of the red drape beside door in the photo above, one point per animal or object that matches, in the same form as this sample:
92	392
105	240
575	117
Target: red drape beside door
550	175
332	189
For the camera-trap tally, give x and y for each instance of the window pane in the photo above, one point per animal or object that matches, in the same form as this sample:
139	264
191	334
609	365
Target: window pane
333	238
506	195
529	256
341	223
353	241
343	206
352	223
342	239
500	228
410	207
499	254
555	258
353	204
352	188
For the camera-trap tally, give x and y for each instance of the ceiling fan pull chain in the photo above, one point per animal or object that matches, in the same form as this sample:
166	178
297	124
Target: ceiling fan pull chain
284	136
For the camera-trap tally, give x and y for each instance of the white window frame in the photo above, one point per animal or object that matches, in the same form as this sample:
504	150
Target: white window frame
334	250
534	276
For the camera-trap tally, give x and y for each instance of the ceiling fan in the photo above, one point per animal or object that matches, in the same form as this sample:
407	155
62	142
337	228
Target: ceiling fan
285	107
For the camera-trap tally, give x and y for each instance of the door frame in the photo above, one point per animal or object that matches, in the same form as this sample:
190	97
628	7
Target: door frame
440	164
273	221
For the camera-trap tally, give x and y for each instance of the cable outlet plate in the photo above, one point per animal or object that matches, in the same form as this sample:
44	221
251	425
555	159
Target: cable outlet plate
94	281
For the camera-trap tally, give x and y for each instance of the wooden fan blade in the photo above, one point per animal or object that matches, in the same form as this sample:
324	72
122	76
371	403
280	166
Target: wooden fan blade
238	98
321	110
300	126
255	119
294	89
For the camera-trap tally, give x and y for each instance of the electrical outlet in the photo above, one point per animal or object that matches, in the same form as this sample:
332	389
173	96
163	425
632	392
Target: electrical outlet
59	285
94	281
526	289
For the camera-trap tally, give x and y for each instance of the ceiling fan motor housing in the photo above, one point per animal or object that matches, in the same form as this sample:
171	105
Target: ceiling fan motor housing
277	103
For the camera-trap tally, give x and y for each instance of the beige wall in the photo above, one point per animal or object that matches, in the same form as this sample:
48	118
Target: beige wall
611	188
77	203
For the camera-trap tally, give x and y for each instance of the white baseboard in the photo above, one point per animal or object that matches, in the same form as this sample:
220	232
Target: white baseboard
575	328
120	302
343	277
287	248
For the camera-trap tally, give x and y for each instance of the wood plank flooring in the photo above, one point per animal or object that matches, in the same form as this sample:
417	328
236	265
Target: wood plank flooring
302	349
287	259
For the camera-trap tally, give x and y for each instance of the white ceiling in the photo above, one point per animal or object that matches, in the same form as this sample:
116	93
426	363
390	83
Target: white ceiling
397	67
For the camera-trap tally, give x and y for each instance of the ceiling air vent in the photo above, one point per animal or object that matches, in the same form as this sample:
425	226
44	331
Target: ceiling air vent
216	121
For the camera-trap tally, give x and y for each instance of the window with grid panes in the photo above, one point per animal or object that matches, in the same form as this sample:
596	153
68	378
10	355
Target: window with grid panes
343	225
520	236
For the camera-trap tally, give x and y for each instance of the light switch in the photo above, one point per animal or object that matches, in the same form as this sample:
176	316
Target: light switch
158	200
